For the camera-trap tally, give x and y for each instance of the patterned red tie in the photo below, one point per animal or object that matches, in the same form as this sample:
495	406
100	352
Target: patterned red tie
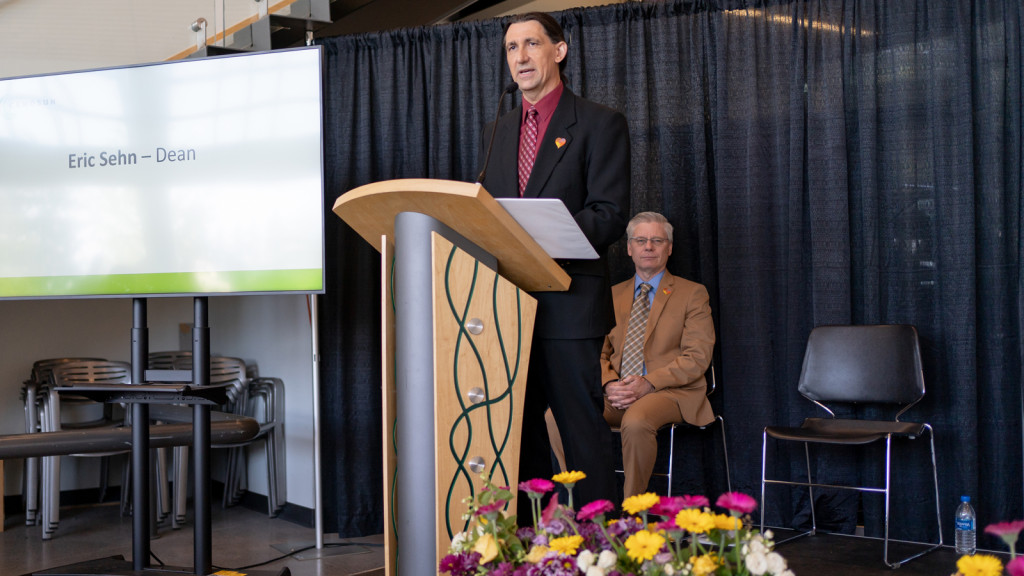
528	150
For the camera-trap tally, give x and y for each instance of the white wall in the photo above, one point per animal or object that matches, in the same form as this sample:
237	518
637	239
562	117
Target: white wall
272	330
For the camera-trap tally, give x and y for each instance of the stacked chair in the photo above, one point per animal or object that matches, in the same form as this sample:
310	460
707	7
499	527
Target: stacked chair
259	398
31	392
52	407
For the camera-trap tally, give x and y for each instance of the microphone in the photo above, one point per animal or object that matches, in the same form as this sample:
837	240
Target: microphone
487	157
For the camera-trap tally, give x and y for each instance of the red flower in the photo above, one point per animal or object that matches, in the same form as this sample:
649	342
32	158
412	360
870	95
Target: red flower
595	508
537	486
737	502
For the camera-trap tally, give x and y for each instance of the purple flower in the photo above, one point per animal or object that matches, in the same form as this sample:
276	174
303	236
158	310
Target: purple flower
556	526
663	558
594	509
461	564
1015	567
554	564
737	502
503	569
525	534
537	486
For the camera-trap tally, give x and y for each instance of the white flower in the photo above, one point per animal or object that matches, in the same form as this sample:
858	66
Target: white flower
787	572
755	546
595	571
585	560
459	541
776	563
669	570
768	534
607	559
756	563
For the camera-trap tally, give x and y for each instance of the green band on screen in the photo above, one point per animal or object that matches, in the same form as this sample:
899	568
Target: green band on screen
305	280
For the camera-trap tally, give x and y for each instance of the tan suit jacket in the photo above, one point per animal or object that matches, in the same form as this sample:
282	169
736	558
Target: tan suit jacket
679	342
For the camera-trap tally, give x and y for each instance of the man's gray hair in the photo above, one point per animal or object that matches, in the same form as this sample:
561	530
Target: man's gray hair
649	218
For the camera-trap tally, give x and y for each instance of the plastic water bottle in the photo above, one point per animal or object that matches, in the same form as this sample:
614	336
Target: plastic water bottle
966	534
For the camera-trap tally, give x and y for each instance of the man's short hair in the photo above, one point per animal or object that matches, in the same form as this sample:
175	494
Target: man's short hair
551	27
649	218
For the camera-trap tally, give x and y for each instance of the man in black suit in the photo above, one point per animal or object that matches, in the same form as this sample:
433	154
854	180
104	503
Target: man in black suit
582	157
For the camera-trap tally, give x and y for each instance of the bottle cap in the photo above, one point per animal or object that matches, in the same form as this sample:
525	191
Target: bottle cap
965	498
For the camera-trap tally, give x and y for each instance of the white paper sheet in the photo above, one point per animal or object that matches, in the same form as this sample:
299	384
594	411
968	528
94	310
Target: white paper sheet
551	225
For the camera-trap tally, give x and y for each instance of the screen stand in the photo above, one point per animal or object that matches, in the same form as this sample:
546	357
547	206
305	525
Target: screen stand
141	509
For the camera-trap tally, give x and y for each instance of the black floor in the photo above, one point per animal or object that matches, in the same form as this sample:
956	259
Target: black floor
827	554
243	537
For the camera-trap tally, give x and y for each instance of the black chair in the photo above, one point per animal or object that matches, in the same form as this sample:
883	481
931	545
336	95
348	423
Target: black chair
874	365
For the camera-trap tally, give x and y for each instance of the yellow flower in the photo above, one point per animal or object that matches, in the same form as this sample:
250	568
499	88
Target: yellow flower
694	521
570	477
640	502
487	546
727	522
566	544
979	565
536	553
704	565
644	545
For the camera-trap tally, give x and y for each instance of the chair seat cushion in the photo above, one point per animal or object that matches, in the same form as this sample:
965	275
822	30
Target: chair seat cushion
844	431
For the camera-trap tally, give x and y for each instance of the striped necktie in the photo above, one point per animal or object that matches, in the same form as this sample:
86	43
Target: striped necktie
528	150
633	350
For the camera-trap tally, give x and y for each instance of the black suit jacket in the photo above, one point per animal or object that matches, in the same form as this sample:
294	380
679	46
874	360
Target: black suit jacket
583	160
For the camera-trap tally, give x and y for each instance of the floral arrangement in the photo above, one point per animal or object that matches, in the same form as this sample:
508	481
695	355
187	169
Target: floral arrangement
988	565
655	536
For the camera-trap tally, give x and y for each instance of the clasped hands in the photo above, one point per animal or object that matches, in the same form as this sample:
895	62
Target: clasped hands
622	393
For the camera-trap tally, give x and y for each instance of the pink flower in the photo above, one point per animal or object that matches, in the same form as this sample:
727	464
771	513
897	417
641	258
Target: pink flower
667	526
737	502
695	501
1016	566
537	486
492	507
595	508
1003	529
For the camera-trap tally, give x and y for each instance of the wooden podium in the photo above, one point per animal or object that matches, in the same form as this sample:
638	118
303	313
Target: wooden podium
457	324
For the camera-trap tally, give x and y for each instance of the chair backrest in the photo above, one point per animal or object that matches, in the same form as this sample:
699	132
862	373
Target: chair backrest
170	360
92	372
878	364
42	369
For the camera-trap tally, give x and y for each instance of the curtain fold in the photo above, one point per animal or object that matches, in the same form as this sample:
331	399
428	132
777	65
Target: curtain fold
822	162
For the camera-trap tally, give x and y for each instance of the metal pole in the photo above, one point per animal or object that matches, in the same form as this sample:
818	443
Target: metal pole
202	539
140	440
318	512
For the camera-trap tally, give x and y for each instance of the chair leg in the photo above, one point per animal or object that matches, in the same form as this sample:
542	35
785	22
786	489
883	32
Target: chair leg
671	456
810	488
180	499
765	481
163	494
725	455
938	514
268	443
764	466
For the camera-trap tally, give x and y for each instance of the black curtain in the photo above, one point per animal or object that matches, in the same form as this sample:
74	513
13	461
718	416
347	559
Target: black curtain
822	161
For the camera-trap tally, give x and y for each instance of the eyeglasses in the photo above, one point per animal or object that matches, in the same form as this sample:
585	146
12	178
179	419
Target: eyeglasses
640	241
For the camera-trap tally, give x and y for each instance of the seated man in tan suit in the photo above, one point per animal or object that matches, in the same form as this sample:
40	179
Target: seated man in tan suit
654	359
